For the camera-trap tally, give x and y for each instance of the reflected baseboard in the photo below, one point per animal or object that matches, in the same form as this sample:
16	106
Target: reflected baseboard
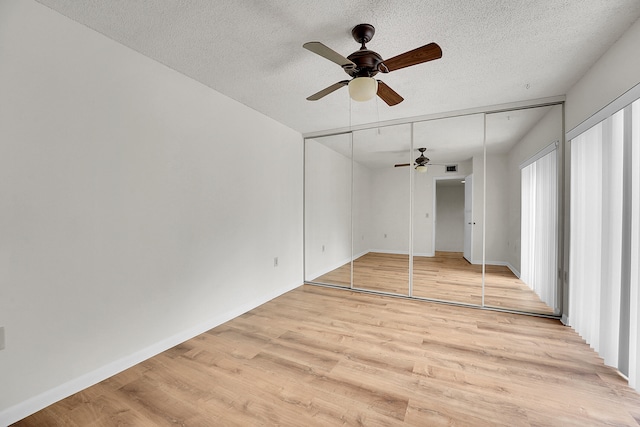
505	264
387	251
513	270
425	254
333	266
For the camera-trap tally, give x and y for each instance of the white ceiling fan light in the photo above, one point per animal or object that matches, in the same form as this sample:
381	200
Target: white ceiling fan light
363	88
421	168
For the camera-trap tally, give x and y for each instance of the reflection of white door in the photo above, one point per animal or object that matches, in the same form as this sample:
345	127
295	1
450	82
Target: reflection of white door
468	216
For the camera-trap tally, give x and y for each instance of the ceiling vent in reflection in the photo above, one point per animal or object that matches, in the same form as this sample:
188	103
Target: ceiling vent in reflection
451	168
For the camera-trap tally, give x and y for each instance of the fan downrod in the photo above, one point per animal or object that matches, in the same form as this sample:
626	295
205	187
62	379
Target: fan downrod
363	33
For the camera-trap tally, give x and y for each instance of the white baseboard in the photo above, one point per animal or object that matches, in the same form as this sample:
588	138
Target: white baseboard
23	409
565	320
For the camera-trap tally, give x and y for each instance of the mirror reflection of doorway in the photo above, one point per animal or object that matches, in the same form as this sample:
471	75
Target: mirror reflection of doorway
450	215
447	275
468	218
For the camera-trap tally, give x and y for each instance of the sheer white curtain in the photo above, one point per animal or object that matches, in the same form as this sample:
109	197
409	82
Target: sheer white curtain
596	235
539	224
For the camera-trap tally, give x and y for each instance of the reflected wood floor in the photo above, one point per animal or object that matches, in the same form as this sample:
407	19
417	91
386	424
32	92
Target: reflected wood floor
322	357
446	277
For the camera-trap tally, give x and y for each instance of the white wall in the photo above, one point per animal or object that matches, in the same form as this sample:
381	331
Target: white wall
390	210
496	212
617	71
477	241
137	207
450	218
423	214
362	210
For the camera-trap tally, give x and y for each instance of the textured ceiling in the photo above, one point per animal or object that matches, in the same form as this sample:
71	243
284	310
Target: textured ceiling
494	52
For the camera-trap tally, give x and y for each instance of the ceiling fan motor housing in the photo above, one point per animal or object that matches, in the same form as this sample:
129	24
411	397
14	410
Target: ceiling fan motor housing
366	61
422	159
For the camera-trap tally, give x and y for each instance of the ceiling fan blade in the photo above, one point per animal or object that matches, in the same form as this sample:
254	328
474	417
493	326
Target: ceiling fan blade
330	54
388	95
422	54
326	91
399	165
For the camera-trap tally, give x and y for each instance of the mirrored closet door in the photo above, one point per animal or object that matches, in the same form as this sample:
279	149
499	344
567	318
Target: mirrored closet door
327	210
381	209
522	195
447	209
476	224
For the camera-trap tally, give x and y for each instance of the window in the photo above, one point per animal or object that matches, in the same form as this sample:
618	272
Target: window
605	231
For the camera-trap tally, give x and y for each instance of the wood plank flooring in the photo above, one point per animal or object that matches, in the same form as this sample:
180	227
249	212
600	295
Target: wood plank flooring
446	277
323	357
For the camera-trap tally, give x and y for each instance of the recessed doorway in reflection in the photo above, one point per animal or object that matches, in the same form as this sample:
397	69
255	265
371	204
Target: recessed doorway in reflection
447	211
448	275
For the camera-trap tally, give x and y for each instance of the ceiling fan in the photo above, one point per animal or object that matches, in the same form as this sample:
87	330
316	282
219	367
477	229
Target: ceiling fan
363	64
421	162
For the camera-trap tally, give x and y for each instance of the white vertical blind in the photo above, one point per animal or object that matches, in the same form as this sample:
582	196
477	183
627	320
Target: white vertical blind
634	326
596	242
611	243
596	218
586	230
539	227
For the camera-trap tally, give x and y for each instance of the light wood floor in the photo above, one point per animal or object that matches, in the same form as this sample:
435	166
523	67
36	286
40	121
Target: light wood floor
323	357
447	277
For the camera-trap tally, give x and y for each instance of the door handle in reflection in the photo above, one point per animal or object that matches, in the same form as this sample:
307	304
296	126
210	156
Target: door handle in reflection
473	223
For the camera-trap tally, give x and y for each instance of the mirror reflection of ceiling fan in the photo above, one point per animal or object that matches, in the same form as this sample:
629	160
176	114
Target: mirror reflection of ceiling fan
421	162
363	64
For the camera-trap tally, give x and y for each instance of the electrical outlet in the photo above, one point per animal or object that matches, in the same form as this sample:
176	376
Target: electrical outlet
385	235
275	262
2	338
322	248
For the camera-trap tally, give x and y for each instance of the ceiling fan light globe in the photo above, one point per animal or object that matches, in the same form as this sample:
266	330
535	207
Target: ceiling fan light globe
363	88
421	168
